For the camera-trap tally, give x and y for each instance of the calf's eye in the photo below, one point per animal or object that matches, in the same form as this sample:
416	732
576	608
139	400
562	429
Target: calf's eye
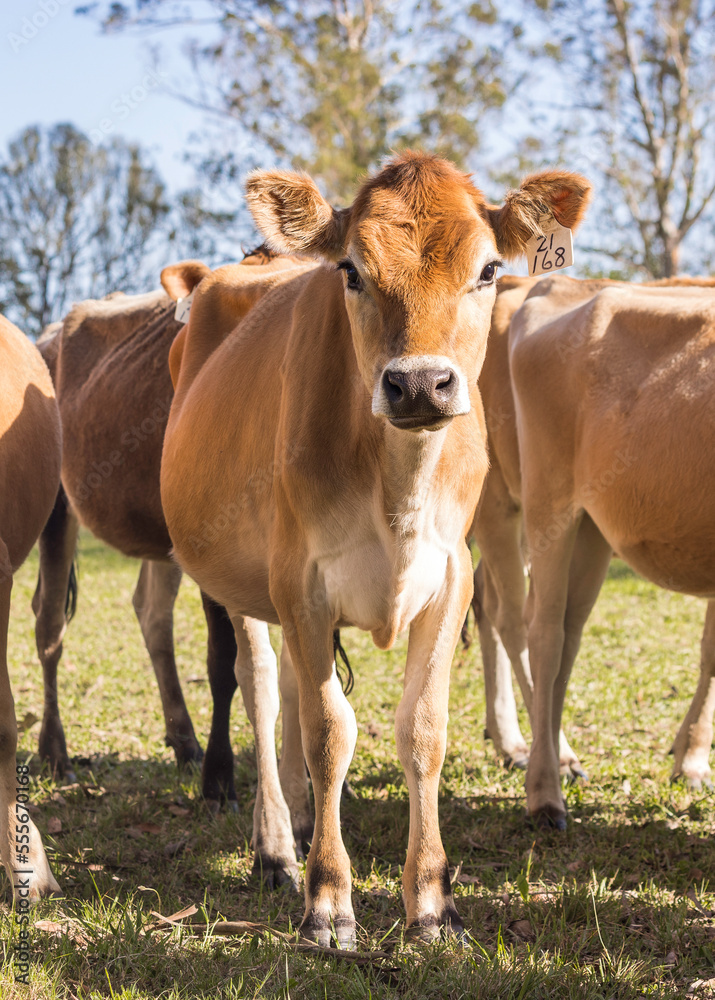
351	273
488	274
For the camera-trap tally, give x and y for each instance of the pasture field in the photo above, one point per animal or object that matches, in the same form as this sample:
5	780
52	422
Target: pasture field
621	906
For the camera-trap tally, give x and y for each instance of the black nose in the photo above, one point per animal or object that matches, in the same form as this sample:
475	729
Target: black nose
424	392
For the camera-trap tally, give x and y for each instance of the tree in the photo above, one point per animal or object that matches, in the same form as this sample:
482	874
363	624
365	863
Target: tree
331	86
76	221
638	79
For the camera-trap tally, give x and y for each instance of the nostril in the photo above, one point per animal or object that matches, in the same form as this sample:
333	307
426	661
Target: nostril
394	386
445	383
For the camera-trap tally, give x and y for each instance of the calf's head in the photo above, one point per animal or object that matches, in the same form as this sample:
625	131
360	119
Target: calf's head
419	250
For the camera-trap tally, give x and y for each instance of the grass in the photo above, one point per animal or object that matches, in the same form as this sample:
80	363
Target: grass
621	906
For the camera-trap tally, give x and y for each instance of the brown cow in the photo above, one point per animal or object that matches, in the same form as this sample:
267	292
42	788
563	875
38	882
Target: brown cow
499	581
352	393
110	359
30	455
616	418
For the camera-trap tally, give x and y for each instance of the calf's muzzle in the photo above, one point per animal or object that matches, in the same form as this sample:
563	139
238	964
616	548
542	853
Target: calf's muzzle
419	397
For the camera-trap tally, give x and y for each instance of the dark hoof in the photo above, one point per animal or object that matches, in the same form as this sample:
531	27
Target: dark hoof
213	806
303	837
550	818
517	763
573	771
186	751
70	777
276	873
231	806
338	932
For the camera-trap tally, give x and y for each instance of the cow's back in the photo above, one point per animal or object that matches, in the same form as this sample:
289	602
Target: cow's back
114	393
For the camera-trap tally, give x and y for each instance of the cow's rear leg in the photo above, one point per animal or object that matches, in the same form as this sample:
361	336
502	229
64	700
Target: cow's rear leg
153	602
292	770
257	674
695	736
20	845
566	581
502	725
217	776
53	605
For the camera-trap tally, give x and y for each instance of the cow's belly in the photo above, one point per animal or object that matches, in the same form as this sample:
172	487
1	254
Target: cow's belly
665	530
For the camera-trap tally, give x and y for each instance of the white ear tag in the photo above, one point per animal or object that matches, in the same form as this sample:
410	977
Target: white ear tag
183	308
551	251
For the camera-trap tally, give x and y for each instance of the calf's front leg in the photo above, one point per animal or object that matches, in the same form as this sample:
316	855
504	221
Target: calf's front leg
421	732
329	734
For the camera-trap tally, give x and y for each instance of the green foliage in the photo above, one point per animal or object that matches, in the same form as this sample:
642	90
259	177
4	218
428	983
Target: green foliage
333	85
620	906
76	221
635	82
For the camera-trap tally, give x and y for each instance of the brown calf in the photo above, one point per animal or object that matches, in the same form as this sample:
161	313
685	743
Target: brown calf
616	418
30	454
499	581
351	394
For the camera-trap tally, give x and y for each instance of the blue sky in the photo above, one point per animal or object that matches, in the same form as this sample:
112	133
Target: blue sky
70	71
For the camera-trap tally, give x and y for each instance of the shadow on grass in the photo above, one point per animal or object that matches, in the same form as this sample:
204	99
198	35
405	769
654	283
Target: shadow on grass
134	836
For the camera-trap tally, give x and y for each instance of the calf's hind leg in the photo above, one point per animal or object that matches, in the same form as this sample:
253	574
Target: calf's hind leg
695	736
153	601
20	845
257	675
293	775
57	545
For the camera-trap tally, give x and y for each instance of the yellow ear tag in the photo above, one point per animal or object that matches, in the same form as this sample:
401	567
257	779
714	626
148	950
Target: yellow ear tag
183	308
551	251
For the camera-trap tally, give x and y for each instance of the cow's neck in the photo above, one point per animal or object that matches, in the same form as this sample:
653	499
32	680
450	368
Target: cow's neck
408	475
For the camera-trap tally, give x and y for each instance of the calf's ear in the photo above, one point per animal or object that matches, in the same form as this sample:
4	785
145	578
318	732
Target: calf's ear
563	194
293	216
179	280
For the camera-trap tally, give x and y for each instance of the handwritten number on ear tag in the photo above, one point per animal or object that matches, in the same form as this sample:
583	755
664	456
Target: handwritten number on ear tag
553	250
183	308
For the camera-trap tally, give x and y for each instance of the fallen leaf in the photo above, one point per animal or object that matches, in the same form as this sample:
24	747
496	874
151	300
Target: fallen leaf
573	866
67	928
54	824
188	911
179	811
671	958
626	787
146	828
28	720
522	930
